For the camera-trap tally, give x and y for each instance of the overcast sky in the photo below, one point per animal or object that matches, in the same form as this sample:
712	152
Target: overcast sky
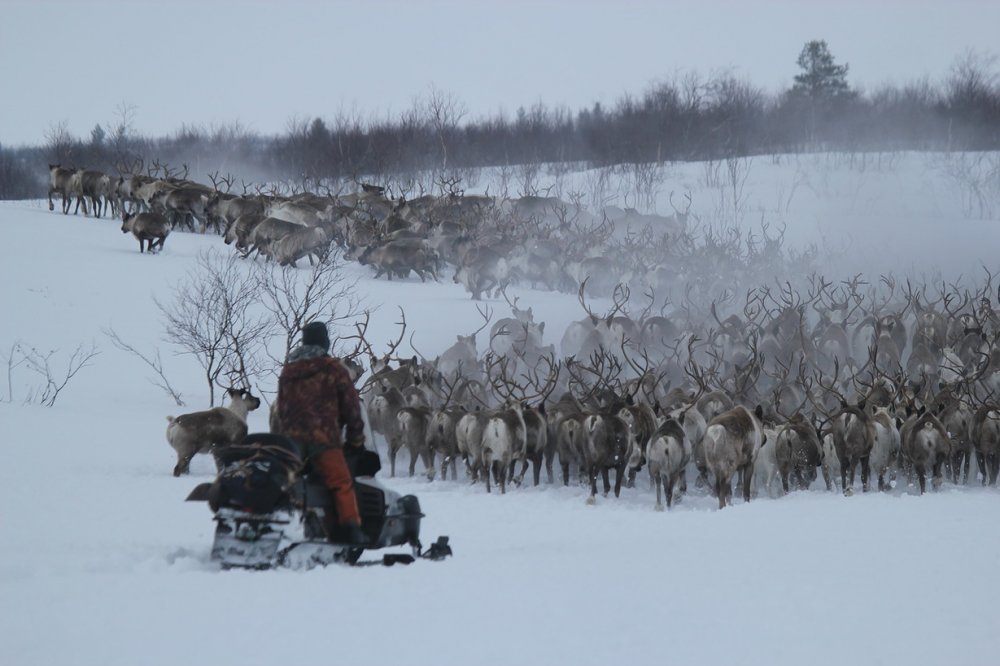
263	63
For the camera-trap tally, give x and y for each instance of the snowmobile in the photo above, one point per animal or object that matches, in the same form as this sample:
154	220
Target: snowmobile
271	512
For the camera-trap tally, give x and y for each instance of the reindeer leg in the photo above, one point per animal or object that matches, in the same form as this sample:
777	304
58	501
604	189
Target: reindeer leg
981	463
605	480
619	477
937	475
183	464
865	473
592	477
429	464
747	480
565	472
392	459
669	488
659	492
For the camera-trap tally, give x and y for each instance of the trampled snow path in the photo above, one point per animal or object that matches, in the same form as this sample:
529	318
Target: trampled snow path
101	562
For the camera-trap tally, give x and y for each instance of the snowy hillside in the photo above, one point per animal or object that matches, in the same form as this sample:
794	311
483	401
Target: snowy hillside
102	562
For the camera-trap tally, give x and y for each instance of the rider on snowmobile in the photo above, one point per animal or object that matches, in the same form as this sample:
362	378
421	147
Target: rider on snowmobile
316	401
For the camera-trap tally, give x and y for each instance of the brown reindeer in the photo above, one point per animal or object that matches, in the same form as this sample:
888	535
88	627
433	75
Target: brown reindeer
60	182
202	432
149	228
730	443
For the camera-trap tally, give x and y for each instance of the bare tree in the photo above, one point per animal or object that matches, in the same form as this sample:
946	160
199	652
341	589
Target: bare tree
41	363
60	142
155	363
444	113
294	297
212	318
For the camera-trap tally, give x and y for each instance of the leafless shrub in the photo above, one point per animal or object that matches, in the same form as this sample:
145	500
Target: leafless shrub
527	179
41	363
294	297
646	179
212	318
711	174
598	183
977	176
155	363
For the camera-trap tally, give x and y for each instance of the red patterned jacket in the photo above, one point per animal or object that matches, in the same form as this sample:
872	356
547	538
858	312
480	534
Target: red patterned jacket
317	399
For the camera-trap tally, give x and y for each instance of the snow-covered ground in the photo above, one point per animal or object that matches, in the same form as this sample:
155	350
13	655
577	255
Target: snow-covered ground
102	562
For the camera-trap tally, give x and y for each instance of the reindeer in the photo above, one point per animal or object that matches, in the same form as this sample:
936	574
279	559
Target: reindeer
591	334
503	442
412	426
60	182
731	442
798	452
264	233
223	210
667	452
90	185
885	447
607	444
830	463
201	432
462	358
469	440
149	228
183	206
555	414
399	257
442	437
519	396
481	270
985	433
924	446
765	463
382	409
309	242
517	332
239	232
853	434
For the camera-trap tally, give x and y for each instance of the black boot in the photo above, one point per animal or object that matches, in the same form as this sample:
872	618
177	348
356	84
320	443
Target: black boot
354	535
349	534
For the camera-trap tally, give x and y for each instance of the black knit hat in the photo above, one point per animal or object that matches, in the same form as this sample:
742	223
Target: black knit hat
315	334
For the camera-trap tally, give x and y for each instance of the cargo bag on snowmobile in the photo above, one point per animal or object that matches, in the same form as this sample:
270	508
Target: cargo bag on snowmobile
252	499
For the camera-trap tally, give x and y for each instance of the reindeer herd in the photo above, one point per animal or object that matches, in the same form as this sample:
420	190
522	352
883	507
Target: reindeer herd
706	380
488	242
898	383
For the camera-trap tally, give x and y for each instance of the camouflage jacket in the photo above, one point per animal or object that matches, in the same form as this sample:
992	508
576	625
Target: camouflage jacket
316	399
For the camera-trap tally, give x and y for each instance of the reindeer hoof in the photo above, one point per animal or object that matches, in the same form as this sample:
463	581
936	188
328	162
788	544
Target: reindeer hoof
659	507
591	501
848	492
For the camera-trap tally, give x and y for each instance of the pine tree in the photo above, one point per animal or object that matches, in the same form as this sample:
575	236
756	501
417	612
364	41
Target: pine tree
821	78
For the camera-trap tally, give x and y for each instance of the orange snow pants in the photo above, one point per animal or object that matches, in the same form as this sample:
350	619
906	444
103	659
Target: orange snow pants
332	467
